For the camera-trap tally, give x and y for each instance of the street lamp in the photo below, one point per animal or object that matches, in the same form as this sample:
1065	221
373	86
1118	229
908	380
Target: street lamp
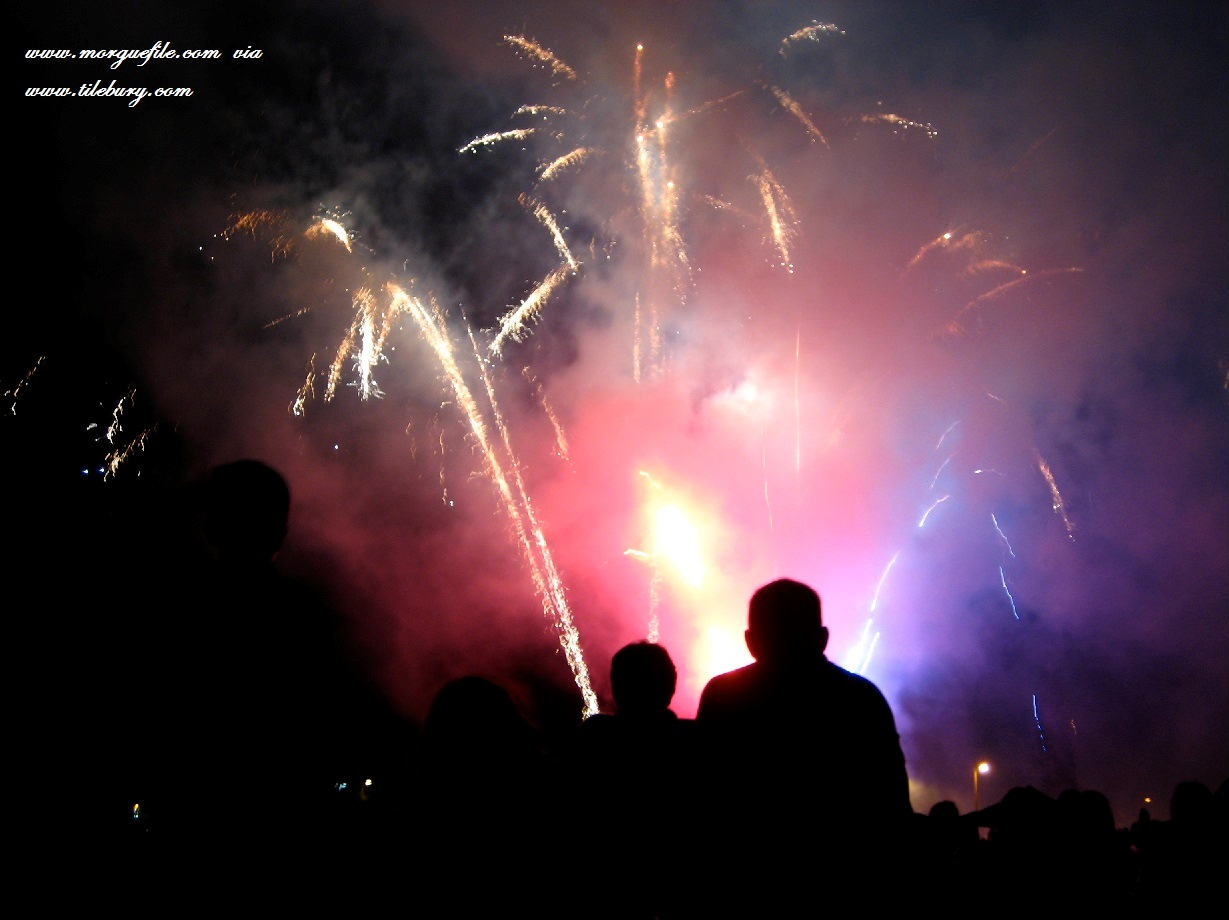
978	770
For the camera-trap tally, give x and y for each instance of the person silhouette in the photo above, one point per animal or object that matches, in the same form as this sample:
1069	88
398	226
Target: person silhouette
814	750
644	760
260	713
485	803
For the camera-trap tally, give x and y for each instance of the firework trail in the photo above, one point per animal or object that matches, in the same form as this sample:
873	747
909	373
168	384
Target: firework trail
897	121
516	501
540	55
514	323
796	110
666	276
15	392
540	211
956	327
362	349
812	33
1059	506
561	439
331	227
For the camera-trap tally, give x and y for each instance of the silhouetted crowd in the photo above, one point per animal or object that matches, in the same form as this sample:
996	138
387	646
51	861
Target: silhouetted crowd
263	773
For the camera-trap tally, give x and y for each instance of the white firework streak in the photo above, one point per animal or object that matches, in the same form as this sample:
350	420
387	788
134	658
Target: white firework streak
516	502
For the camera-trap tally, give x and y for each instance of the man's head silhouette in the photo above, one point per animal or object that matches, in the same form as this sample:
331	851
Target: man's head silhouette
785	623
642	678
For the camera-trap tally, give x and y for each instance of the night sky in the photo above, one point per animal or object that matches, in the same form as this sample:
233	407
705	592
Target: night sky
972	387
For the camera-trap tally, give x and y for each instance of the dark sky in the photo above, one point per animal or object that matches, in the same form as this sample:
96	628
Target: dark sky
1044	386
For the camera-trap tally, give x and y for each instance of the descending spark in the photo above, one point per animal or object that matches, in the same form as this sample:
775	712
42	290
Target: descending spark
114	429
568	160
1059	506
955	327
948	241
25	381
946	432
942	467
811	33
781	217
306	391
114	459
540	110
363	345
119	454
561	440
272	223
1031	150
791	106
935	505
886	118
541	212
1007	591
882	579
537	53
516	501
859	657
487	140
333	228
513	324
1041	732
1002	536
282	319
991	265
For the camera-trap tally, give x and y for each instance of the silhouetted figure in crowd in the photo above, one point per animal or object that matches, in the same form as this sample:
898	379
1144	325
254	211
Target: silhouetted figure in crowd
1182	860
642	764
809	758
485	800
258	714
1097	868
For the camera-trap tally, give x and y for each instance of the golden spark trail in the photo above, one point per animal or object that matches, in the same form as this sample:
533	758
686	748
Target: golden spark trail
991	265
272	222
1059	506
954	327
542	569
512	325
782	220
947	241
791	106
542	564
488	139
540	110
364	344
540	211
561	440
887	118
538	53
328	225
811	33
25	381
307	391
568	160
115	459
281	319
